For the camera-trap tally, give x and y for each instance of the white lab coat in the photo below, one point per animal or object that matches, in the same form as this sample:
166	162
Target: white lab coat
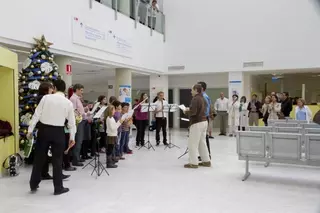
234	114
244	115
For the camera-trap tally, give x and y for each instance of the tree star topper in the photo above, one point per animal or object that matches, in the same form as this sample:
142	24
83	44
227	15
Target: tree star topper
42	42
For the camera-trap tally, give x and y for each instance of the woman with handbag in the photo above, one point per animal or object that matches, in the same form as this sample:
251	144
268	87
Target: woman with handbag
234	115
244	114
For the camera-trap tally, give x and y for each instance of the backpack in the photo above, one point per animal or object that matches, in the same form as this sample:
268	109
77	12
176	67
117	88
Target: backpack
316	118
5	129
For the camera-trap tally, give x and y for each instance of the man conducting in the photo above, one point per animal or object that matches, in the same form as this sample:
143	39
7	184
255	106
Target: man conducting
51	114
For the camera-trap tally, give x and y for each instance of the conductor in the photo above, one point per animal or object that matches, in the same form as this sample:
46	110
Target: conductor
51	114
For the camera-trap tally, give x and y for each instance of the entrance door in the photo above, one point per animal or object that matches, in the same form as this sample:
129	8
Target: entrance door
185	98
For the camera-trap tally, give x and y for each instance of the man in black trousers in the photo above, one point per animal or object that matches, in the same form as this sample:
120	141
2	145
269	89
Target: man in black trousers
51	114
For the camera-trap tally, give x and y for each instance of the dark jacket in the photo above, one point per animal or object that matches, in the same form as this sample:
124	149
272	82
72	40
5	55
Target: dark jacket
316	118
286	107
197	109
258	108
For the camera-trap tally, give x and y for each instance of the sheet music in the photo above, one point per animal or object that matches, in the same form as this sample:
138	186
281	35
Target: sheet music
183	107
184	119
94	107
127	115
100	112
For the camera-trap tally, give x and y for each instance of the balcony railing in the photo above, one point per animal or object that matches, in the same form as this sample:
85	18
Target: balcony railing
139	10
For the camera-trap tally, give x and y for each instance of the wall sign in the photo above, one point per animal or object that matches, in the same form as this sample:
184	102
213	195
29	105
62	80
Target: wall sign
125	93
101	38
68	69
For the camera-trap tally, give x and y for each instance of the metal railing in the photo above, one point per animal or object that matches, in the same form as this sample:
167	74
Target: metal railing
139	10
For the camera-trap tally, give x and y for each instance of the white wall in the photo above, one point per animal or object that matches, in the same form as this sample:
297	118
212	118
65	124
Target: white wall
219	35
20	21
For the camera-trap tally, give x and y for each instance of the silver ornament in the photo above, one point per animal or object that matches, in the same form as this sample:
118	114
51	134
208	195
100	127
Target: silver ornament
56	74
34	50
43	57
55	68
52	56
23	82
21	90
32	66
43	49
35	95
30	74
39	72
38	60
23	77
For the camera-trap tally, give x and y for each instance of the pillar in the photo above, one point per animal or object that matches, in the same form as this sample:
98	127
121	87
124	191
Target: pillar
65	68
303	92
159	83
236	84
176	115
123	85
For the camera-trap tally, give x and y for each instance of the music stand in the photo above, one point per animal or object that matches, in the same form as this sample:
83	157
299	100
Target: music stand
187	149
170	108
149	107
98	167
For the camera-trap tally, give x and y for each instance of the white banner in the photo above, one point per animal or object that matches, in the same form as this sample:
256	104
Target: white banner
100	38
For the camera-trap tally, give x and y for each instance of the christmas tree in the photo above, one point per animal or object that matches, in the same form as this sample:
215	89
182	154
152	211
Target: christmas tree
38	67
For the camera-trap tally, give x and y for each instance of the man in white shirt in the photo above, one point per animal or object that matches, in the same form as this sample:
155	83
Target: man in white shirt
161	118
52	112
221	106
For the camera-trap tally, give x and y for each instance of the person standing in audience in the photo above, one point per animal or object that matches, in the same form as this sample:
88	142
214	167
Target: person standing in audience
78	107
161	119
286	104
221	106
208	111
234	115
142	120
254	108
197	130
153	10
112	134
303	112
52	112
274	108
265	110
243	114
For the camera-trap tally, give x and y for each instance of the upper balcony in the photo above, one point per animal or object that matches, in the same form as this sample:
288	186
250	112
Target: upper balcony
89	30
145	12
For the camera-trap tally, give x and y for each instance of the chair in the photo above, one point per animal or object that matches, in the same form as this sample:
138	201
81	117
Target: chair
260	128
313	149
285	148
310	125
288	129
312	131
251	146
282	124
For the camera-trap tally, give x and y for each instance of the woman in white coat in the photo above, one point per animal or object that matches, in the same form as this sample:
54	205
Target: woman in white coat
244	114
303	112
233	115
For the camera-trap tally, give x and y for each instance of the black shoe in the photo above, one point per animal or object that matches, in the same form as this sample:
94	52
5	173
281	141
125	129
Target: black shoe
46	177
65	176
199	158
211	137
158	143
34	189
112	166
165	143
82	160
77	164
70	169
221	134
61	191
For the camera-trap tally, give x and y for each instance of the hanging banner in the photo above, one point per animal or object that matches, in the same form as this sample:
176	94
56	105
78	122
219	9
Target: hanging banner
125	93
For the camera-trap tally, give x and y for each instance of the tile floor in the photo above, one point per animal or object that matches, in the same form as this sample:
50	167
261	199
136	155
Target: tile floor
156	182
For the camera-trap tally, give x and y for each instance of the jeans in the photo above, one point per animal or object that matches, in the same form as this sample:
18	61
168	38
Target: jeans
124	139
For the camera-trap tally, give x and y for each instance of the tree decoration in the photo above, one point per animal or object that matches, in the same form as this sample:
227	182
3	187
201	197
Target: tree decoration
38	67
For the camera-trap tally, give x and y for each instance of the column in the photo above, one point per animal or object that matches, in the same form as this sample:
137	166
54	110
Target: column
236	84
159	83
65	68
176	115
123	85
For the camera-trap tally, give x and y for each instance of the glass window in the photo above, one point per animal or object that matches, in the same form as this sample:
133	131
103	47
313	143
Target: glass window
124	6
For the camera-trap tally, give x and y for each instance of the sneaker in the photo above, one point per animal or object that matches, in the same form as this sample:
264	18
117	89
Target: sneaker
190	166
205	164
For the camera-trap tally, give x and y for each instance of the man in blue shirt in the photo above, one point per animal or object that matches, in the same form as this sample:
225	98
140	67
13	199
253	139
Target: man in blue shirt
208	110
